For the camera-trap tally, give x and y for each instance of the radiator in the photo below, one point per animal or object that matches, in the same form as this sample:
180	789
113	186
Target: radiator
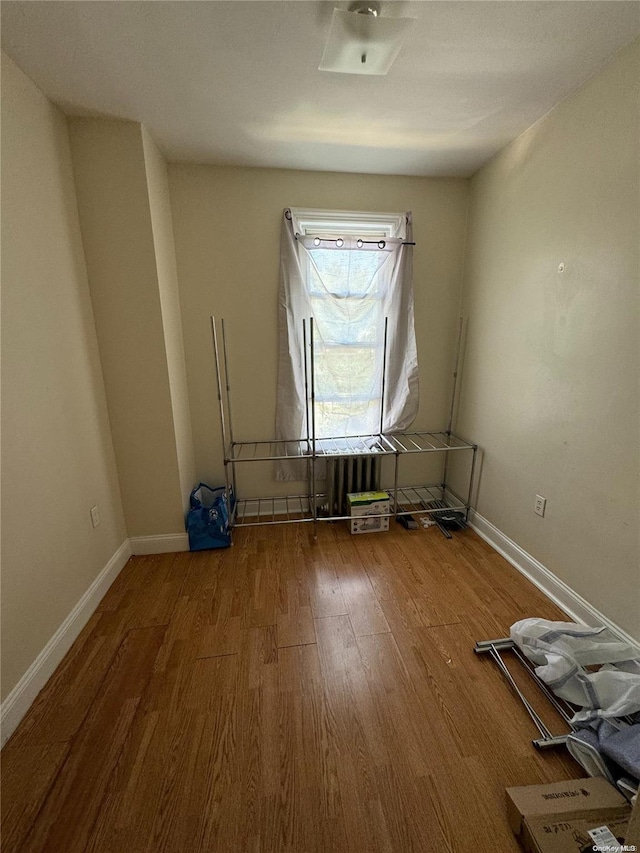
347	474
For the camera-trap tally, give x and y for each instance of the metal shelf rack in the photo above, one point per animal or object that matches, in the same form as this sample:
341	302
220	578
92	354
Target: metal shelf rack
420	499
506	647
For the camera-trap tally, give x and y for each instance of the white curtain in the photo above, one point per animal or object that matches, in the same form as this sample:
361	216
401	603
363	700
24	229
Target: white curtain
348	284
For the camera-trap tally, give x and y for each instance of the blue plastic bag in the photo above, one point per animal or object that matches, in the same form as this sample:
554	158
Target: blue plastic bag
208	518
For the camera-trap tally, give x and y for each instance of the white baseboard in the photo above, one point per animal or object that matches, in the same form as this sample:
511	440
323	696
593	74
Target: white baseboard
567	599
166	543
23	694
21	697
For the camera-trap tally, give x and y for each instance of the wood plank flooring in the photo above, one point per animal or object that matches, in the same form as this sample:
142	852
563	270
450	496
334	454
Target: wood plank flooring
284	695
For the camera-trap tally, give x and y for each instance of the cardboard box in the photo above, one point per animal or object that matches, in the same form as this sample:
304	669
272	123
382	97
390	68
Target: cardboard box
363	505
633	832
557	818
569	836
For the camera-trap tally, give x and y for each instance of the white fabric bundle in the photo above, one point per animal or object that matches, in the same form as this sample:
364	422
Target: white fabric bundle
563	650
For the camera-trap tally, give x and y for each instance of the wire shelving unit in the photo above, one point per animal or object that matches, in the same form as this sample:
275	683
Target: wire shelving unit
420	499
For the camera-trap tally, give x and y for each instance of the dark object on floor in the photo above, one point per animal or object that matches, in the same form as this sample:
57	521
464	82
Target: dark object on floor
446	518
451	519
407	521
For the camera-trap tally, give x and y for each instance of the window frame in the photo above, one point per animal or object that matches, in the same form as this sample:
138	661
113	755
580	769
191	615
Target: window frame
331	225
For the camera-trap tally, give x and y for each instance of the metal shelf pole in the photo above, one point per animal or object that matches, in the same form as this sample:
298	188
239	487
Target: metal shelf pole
395	483
473	469
384	372
216	354
310	461
306	378
228	387
547	739
382	393
453	397
314	507
539	724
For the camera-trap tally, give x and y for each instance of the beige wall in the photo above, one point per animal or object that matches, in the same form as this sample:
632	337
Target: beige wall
115	216
162	225
550	384
57	455
227	231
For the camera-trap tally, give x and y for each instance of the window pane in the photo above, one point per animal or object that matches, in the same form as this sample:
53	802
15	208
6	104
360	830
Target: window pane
348	273
345	292
352	321
355	418
346	372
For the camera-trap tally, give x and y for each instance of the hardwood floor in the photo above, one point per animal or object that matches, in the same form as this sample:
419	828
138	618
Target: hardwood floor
285	696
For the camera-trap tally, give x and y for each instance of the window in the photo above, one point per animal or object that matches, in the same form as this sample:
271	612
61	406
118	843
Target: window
350	272
345	294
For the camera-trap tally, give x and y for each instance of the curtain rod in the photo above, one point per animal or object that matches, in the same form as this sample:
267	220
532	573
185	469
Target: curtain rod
359	242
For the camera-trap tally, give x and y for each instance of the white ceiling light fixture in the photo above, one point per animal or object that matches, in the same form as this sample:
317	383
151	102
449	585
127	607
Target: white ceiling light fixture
362	41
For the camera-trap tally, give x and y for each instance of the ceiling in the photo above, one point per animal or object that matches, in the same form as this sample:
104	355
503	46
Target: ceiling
237	81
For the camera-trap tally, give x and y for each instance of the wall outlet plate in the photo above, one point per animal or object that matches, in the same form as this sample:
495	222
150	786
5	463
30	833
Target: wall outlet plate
95	515
540	505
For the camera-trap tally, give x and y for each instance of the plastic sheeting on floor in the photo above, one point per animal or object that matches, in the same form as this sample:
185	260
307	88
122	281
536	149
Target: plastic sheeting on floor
563	653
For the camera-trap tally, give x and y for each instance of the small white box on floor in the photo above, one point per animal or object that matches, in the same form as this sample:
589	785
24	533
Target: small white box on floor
364	505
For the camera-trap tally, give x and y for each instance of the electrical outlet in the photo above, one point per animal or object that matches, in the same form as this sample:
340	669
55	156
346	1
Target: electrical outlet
540	505
95	515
